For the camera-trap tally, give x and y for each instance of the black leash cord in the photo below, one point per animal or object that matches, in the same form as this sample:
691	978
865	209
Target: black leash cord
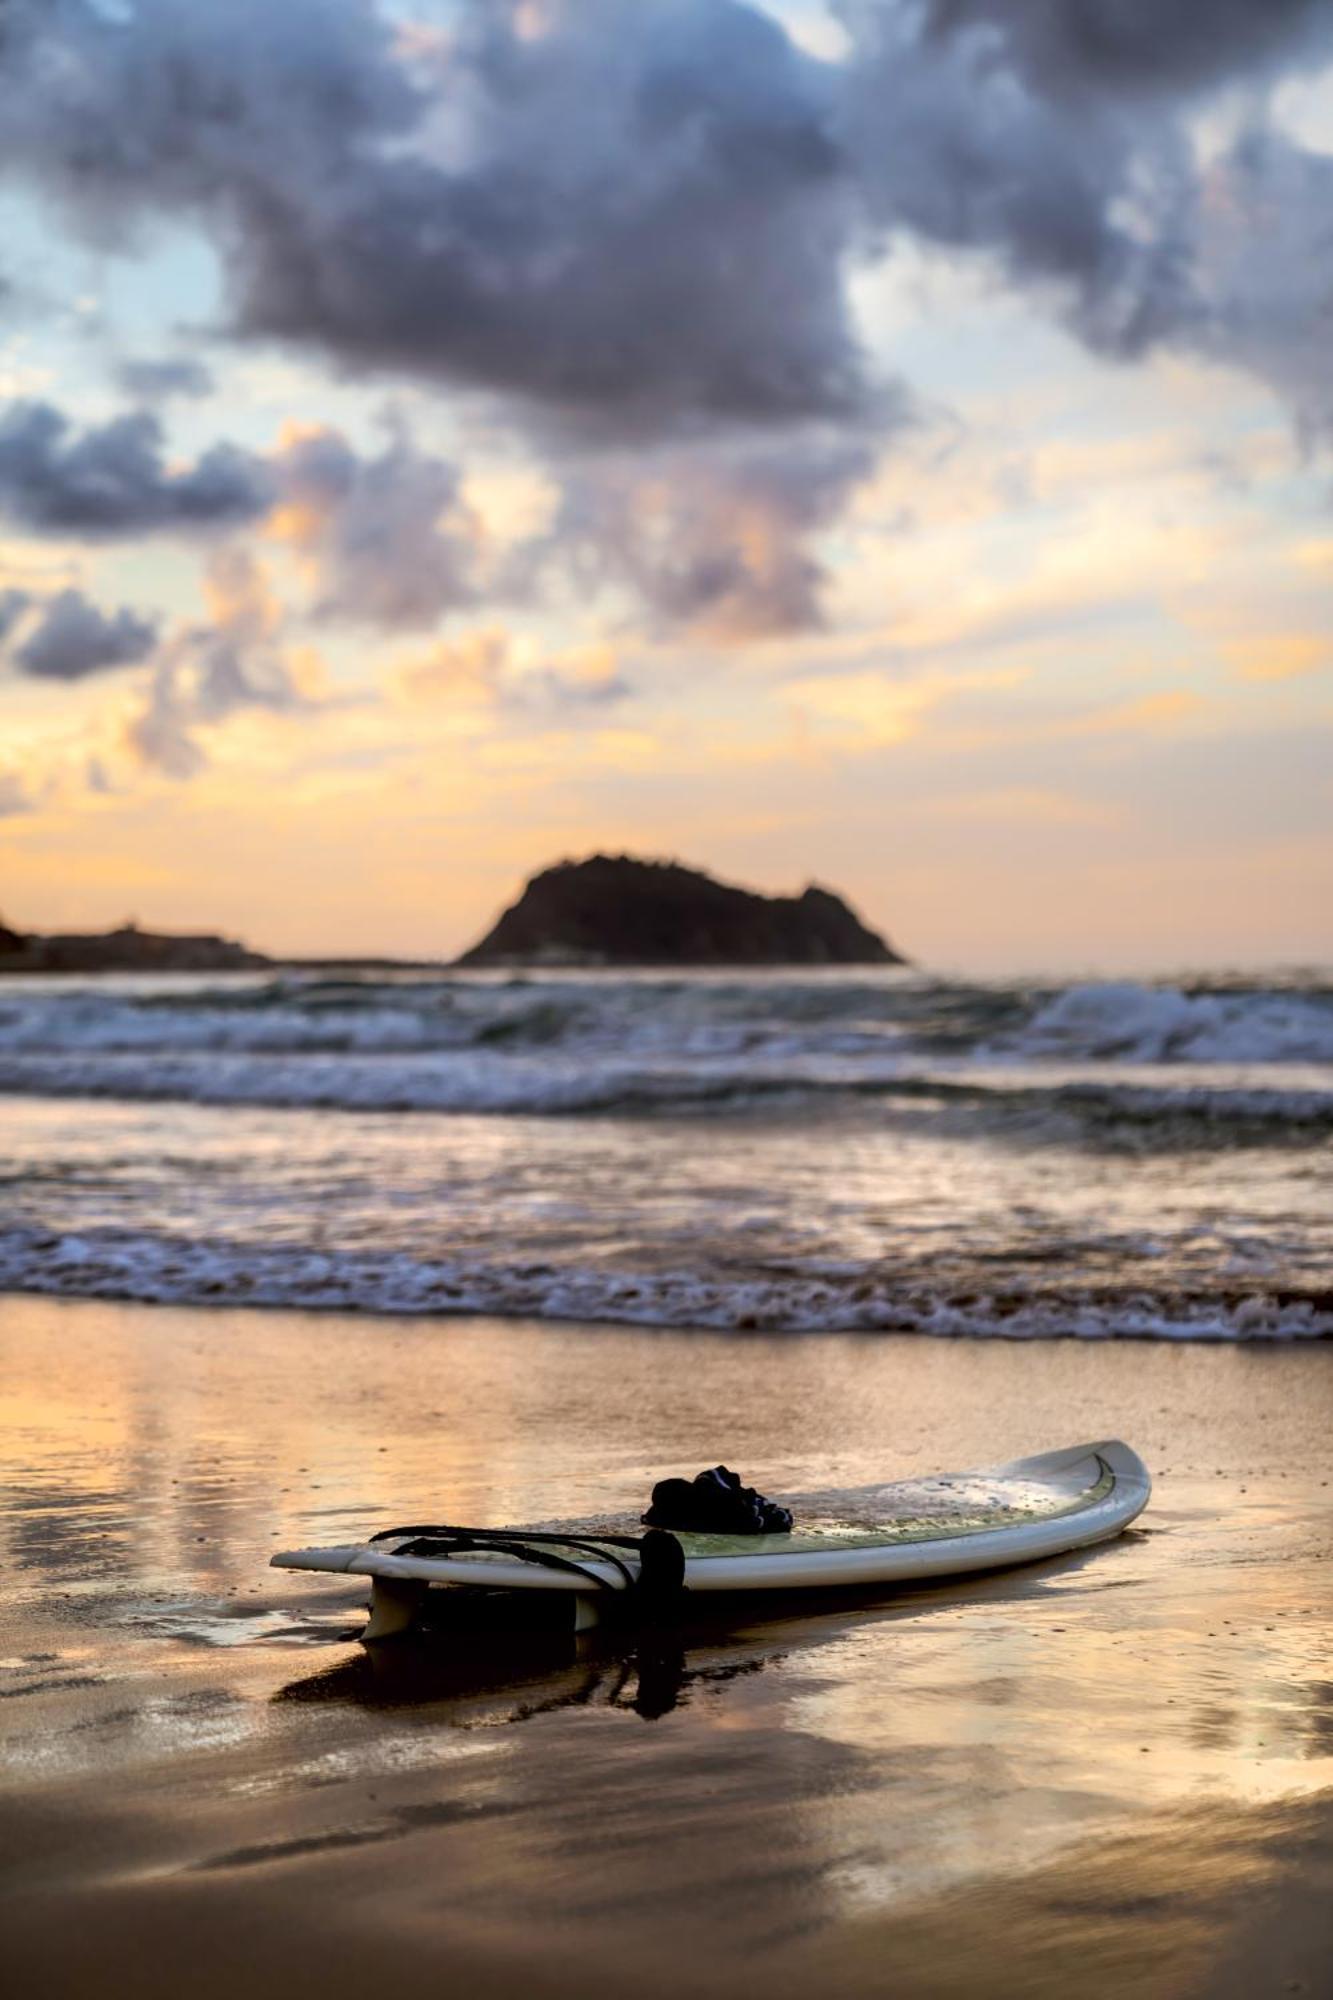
443	1541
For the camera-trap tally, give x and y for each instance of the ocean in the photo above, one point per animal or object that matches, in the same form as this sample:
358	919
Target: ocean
880	1151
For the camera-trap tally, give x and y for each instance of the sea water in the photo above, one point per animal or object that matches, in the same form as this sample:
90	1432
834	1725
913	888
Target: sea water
874	1151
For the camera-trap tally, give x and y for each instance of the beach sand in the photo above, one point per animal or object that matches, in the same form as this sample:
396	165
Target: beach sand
1110	1774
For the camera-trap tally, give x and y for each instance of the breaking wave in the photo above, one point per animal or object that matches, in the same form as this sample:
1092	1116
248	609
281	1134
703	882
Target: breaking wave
879	1152
114	1264
1109	1053
1140	1024
699	1016
1256	1105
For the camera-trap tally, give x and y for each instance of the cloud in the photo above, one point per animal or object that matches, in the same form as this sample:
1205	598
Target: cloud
859	711
14	795
1280	656
158	734
489	667
634	225
1058	138
626	215
1091	200
13	605
1156	712
714	541
641	219
635	219
153	381
1265	271
1139	46
467	669
579	677
65	637
388	540
69	637
114	479
211	670
712	537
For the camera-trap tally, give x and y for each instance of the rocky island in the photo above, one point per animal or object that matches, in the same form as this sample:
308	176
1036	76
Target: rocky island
614	910
125	950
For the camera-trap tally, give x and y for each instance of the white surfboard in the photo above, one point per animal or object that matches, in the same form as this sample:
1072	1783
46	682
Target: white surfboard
907	1531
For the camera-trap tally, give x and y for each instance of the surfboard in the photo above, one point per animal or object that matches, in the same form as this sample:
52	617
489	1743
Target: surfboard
906	1531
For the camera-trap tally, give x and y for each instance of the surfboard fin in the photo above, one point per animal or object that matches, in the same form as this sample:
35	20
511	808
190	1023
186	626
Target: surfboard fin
660	1585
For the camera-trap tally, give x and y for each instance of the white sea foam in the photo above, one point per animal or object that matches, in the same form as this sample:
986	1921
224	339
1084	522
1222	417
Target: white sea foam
887	1152
125	1265
586	1081
578	1046
474	1082
823	1032
1141	1024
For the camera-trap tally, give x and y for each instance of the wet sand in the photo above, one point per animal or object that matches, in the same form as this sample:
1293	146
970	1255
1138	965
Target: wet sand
1112	1773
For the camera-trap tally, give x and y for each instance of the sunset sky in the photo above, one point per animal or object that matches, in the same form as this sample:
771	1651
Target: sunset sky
889	443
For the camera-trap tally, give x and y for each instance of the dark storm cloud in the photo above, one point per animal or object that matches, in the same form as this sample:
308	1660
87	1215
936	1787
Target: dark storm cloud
638	215
645	226
387	536
154	381
1053	136
68	637
1094	202
1152	46
635	221
114	479
1268	262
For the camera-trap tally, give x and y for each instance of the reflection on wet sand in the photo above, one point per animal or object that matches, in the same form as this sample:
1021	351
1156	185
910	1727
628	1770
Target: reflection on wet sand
966	1788
513	1678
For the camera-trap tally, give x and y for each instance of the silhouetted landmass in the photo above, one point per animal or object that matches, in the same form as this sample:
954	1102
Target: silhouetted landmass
610	910
614	910
125	950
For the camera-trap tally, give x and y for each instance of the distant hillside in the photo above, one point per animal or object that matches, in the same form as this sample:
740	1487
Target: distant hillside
615	910
125	950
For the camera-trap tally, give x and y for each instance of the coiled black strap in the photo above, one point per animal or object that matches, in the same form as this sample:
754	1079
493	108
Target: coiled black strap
441	1540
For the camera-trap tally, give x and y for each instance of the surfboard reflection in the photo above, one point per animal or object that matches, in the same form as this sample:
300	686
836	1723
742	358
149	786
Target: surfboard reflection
492	1684
479	1659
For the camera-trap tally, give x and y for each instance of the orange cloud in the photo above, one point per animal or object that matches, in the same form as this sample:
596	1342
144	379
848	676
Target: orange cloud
1022	805
512	503
1152	712
468	667
862	711
1315	555
492	666
1280	656
239	595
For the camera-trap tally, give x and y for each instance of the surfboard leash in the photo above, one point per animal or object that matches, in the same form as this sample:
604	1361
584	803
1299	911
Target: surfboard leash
660	1579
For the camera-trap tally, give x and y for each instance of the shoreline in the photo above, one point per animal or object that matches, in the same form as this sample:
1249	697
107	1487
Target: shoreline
995	1334
1120	1761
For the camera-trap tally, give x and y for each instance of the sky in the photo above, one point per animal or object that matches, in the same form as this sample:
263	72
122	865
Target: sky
888	443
